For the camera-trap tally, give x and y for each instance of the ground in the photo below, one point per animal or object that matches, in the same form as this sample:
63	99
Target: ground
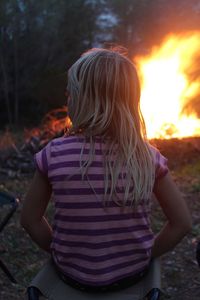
180	272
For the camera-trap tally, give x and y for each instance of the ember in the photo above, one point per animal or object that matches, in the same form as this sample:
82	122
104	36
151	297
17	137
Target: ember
168	87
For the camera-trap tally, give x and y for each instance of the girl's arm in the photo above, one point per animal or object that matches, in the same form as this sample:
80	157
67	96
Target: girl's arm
176	211
34	206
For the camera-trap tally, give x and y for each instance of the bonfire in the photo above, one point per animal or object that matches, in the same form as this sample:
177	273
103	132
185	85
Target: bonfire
170	91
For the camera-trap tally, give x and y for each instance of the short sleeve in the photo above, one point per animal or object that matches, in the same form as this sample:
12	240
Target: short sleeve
161	167
42	159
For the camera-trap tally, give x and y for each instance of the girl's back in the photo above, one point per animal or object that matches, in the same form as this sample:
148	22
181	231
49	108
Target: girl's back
95	242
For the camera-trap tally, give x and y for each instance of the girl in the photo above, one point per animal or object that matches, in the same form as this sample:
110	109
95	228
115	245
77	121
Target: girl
102	176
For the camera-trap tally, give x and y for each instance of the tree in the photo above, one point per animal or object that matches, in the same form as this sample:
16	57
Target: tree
141	24
39	41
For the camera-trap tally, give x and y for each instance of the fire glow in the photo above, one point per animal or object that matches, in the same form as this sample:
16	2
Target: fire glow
168	87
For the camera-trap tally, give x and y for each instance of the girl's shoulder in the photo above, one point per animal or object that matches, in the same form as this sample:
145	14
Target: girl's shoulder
155	152
161	162
64	140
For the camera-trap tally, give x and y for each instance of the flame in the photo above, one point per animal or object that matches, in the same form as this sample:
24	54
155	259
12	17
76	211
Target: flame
167	87
53	124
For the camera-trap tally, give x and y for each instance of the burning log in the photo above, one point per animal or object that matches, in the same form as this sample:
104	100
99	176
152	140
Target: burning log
15	160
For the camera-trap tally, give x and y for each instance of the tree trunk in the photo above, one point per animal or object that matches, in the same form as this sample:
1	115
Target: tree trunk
16	87
5	83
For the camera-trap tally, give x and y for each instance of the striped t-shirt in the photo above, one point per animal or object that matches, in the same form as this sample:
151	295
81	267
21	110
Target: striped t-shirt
93	243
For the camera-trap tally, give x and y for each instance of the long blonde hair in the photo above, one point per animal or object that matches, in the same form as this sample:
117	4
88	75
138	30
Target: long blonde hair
104	100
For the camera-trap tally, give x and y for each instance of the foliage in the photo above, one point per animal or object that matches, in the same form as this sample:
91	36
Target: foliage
144	23
39	40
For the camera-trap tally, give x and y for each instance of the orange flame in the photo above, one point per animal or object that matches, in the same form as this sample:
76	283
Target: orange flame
167	88
53	124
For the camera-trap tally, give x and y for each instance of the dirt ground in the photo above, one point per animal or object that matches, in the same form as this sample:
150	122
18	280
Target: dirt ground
180	272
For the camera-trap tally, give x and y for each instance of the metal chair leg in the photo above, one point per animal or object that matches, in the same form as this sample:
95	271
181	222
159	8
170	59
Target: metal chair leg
33	293
7	272
198	253
7	199
7	218
154	294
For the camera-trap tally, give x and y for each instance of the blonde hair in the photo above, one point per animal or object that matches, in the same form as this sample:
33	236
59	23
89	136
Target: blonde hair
104	100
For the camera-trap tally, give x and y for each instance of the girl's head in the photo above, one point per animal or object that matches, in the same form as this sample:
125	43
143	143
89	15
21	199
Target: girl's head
104	99
104	94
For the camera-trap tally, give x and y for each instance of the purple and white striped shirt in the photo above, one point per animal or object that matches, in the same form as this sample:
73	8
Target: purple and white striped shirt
93	243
